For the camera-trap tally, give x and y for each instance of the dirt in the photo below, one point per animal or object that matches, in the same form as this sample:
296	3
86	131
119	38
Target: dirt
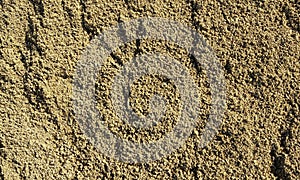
257	44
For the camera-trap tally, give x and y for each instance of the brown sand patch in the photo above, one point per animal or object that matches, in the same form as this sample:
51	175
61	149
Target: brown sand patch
256	42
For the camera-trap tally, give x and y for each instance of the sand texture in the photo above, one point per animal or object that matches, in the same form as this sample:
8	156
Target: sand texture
256	43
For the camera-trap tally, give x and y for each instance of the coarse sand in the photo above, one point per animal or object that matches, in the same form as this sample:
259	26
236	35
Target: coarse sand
256	42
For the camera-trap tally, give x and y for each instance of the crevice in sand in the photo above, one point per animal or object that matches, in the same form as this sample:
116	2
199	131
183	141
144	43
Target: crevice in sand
39	10
194	9
278	164
278	167
85	25
198	27
33	92
31	41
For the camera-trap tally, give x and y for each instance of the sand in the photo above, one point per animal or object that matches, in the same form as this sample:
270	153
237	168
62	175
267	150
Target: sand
257	44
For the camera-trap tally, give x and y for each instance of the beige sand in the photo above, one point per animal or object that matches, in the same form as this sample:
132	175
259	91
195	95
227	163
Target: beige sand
257	44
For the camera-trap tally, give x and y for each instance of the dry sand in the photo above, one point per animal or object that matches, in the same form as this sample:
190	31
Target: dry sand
257	44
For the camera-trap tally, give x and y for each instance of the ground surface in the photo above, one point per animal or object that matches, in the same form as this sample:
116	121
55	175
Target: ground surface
257	44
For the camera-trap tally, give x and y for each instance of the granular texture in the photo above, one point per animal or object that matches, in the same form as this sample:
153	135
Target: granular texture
257	43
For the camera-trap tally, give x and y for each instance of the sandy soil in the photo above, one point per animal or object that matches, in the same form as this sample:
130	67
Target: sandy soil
257	44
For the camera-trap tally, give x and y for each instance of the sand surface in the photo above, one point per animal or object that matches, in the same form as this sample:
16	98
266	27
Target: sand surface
257	44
